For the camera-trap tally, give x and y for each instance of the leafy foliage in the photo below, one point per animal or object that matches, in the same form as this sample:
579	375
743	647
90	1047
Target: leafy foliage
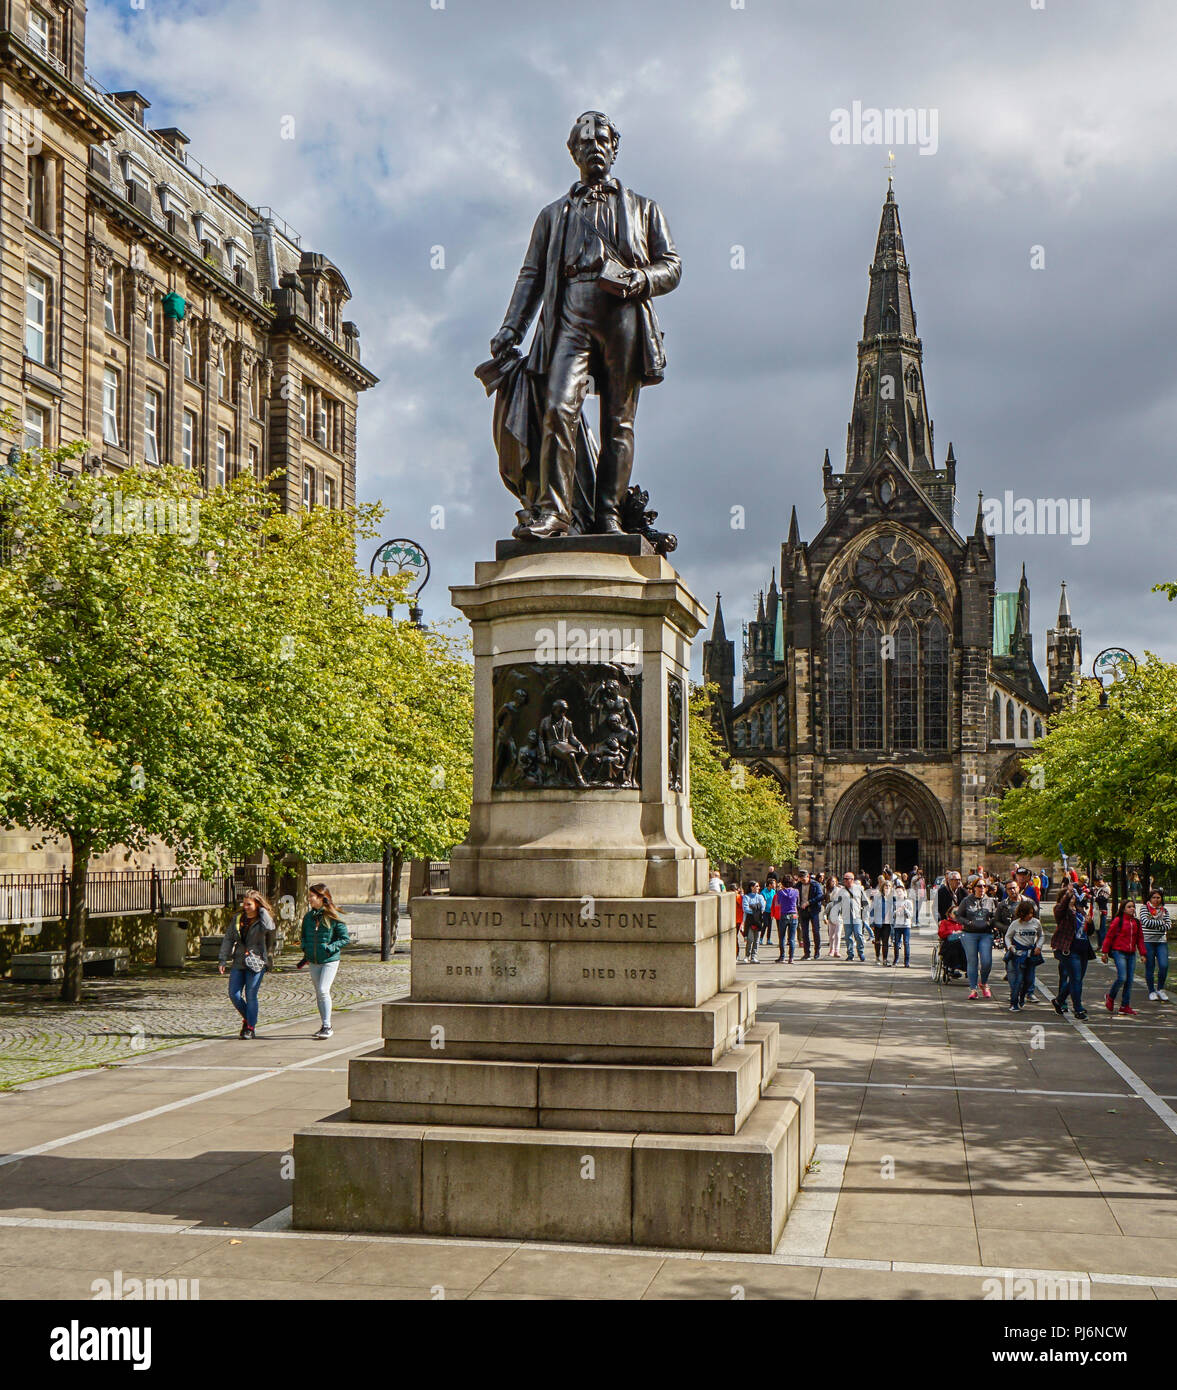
737	814
1104	781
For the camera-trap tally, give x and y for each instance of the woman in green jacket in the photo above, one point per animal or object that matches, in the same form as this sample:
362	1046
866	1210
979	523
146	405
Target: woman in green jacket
324	935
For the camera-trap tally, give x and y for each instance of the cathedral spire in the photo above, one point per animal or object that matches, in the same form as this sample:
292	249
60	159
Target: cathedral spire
1064	607
889	409
718	634
794	529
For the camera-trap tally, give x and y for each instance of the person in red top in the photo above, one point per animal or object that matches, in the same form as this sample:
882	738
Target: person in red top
1124	942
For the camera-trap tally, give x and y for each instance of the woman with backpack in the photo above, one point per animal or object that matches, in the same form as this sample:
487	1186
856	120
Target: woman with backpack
1124	942
324	935
249	945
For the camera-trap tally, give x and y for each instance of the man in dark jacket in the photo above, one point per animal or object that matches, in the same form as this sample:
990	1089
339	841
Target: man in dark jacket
597	257
809	898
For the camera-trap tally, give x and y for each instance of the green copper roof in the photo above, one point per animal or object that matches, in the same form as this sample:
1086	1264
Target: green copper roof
778	639
1005	615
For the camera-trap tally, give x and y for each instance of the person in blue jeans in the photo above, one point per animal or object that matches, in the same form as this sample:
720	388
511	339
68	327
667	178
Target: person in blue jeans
976	922
849	902
1154	926
324	935
248	945
787	898
1023	942
1071	949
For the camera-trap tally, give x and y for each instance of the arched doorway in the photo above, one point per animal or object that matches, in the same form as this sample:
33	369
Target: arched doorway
887	818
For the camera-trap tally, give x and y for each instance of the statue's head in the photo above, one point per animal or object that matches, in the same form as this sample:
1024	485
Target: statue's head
593	144
559	709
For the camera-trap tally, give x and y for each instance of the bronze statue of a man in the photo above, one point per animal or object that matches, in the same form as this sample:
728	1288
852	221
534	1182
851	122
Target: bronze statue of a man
597	258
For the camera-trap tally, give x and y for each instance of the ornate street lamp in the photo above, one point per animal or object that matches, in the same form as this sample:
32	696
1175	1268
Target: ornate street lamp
406	557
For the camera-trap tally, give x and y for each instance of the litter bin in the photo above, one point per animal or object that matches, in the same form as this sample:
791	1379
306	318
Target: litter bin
171	942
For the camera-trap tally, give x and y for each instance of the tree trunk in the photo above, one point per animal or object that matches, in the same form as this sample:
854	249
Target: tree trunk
398	864
71	985
387	938
1145	877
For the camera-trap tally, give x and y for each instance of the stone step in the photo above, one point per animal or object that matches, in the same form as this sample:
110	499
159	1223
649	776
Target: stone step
559	1095
696	1036
678	1191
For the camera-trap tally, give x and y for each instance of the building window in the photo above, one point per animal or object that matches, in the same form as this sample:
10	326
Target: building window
308	487
995	718
308	410
189	359
35	418
838	685
904	671
870	687
188	439
151	412
110	406
154	325
255	465
36	315
782	722
1038	728
40	32
222	457
41	202
222	374
935	685
1025	726
329	495
1010	719
109	310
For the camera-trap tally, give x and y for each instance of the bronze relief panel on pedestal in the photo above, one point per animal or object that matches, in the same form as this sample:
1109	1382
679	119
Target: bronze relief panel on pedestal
566	725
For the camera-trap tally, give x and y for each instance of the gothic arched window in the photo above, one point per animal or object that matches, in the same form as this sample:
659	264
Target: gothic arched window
782	720
1038	728
838	685
1025	725
1011	727
870	687
904	670
935	685
864	392
995	718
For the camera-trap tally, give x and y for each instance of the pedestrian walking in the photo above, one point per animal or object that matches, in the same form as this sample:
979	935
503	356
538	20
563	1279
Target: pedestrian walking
849	906
902	914
1123	943
880	918
832	922
248	950
771	895
754	915
1071	949
1154	927
324	935
787	900
1023	943
809	906
976	923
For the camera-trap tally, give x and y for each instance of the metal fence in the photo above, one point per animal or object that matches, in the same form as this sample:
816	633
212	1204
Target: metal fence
124	892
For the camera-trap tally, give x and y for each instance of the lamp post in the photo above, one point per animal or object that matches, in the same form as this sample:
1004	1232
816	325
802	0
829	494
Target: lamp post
408	557
1109	666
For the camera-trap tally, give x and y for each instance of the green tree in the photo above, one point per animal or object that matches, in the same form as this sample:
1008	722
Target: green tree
183	667
737	814
1103	781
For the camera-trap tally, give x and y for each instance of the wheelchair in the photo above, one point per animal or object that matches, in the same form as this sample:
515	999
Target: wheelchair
948	960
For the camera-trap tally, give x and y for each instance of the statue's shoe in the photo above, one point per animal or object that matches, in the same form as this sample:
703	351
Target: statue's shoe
609	526
547	528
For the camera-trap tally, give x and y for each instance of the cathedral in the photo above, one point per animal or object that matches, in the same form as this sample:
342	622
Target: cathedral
887	684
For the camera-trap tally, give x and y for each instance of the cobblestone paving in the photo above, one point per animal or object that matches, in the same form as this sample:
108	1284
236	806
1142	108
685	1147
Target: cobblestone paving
149	1011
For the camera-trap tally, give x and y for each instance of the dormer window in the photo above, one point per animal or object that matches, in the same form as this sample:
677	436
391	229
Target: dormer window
40	32
134	169
172	200
205	228
236	252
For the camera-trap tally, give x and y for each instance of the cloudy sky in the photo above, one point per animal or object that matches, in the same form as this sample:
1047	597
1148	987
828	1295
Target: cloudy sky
441	123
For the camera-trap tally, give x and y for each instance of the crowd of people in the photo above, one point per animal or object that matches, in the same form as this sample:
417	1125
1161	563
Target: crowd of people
978	918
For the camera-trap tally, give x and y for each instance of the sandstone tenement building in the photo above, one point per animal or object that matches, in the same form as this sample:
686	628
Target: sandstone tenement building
888	685
150	309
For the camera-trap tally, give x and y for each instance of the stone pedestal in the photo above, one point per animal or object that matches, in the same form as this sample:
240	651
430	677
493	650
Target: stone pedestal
576	1060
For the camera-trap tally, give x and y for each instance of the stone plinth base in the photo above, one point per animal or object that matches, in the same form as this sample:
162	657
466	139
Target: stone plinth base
689	1191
